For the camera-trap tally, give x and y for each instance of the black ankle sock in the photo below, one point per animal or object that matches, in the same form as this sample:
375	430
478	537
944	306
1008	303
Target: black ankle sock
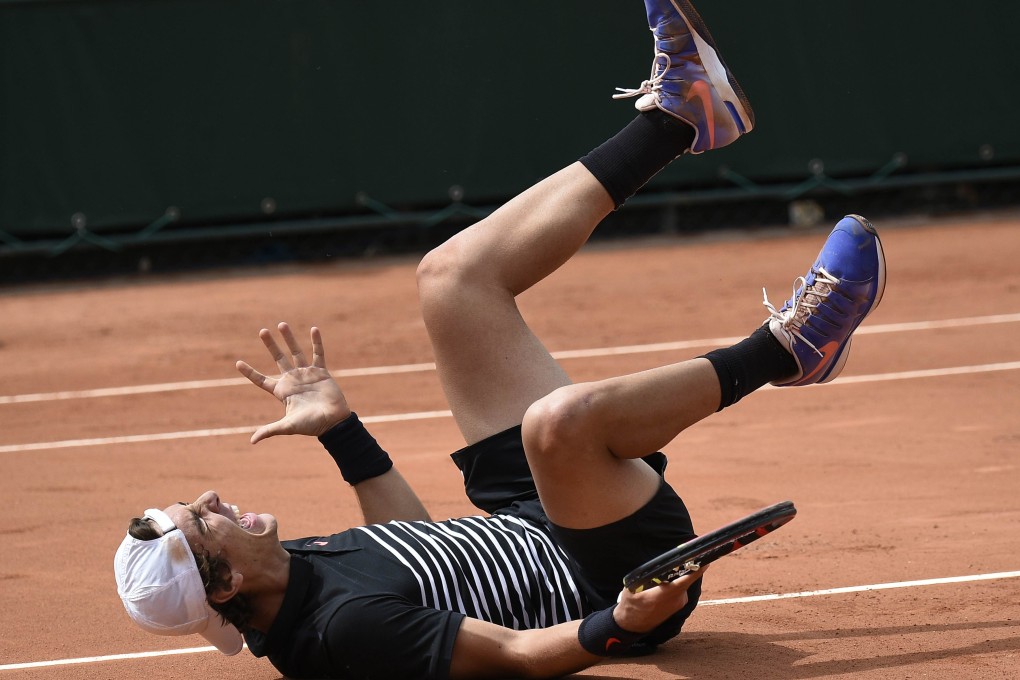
625	162
749	364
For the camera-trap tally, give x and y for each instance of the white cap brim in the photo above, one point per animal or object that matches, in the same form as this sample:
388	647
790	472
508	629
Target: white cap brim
222	635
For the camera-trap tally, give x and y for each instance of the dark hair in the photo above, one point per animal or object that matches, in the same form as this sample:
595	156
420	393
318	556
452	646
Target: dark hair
215	573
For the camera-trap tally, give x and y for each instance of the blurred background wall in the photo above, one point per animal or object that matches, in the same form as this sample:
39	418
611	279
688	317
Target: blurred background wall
129	128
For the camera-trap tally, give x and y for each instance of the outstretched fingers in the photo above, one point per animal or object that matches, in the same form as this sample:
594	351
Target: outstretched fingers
257	379
318	353
279	356
296	353
312	400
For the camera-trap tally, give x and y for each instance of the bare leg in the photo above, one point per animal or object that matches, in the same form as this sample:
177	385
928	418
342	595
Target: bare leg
582	439
492	367
584	442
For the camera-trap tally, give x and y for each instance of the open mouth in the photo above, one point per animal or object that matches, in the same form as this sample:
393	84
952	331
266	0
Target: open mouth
251	523
248	521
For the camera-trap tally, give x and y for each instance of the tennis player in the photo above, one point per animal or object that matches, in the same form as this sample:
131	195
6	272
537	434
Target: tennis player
569	476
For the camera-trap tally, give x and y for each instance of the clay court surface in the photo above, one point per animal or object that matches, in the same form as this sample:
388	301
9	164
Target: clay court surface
907	469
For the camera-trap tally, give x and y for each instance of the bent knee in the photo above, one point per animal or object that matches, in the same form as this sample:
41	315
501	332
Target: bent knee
447	275
438	278
559	423
437	270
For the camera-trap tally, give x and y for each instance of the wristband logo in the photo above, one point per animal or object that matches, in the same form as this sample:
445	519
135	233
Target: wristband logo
611	641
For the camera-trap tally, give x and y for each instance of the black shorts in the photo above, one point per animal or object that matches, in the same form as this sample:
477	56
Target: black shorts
498	480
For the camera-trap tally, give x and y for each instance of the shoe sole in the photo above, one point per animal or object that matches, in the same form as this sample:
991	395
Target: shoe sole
844	352
722	78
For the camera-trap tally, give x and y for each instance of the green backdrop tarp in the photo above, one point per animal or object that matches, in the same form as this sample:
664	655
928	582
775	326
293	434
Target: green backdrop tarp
117	110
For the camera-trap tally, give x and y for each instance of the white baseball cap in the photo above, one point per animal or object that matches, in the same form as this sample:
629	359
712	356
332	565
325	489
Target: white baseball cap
159	583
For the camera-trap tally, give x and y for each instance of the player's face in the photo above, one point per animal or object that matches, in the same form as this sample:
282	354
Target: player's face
219	528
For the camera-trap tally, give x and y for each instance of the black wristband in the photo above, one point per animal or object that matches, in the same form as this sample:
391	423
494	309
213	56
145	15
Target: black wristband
600	635
355	451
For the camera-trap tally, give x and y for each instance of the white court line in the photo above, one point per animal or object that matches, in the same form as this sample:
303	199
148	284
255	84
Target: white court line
423	415
197	385
864	589
565	354
928	373
706	603
194	434
99	659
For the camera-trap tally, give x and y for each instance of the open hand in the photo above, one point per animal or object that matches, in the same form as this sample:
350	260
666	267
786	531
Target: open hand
313	401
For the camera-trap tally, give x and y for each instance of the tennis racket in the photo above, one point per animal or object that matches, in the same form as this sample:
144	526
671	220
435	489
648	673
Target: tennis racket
696	553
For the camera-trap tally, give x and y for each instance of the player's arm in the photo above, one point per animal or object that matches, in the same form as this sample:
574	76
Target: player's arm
316	406
389	497
486	650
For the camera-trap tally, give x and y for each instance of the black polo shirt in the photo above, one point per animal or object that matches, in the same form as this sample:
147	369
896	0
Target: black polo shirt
386	601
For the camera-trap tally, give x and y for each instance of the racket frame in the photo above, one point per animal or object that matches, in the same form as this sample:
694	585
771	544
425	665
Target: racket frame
694	554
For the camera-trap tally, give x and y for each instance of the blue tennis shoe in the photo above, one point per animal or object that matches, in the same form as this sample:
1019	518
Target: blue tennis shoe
843	286
689	79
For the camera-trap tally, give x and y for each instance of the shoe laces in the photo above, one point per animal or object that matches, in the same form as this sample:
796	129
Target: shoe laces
650	86
803	303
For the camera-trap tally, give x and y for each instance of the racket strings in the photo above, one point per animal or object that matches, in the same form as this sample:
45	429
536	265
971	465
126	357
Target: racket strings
805	301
